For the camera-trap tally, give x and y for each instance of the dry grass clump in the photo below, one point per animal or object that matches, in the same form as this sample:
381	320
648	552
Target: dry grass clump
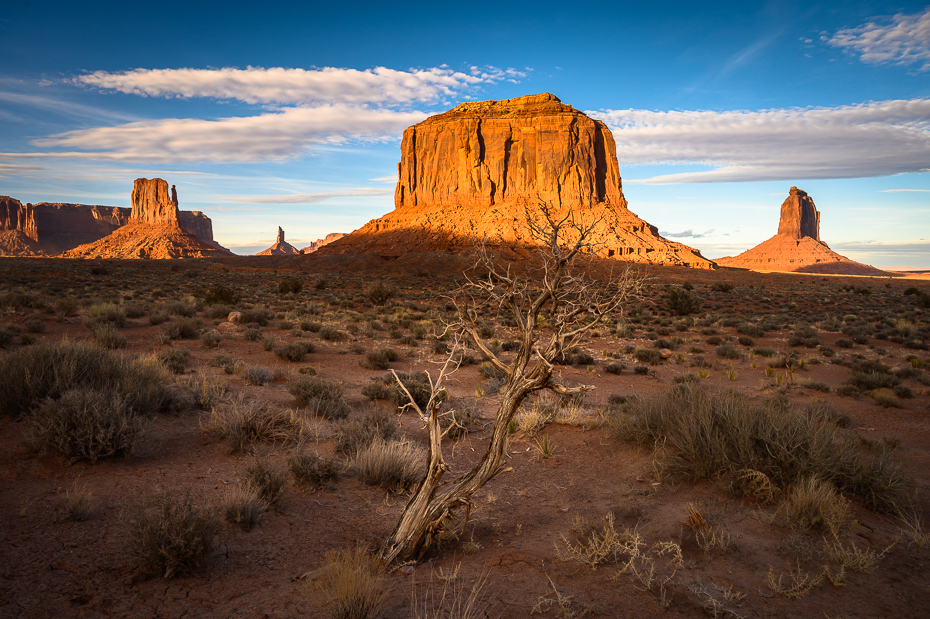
49	369
266	479
393	465
704	435
815	505
455	600
105	313
349	585
242	422
294	351
85	424
243	507
311	469
173	533
174	359
108	336
357	434
321	397
257	375
79	501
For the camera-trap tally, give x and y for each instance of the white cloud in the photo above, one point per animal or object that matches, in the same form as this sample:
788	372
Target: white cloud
311	198
902	39
269	136
905	191
385	179
852	141
691	234
277	85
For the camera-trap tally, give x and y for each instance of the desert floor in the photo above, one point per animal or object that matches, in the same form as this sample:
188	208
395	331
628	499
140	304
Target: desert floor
513	550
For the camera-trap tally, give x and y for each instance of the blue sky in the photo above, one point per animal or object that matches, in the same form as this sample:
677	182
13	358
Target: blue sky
279	114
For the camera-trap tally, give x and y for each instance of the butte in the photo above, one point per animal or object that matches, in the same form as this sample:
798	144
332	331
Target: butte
154	230
280	247
797	247
476	172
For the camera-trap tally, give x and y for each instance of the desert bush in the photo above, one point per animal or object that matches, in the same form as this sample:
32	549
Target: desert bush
682	301
157	318
417	384
256	316
885	398
34	325
291	285
79	502
329	334
184	329
321	397
66	306
614	368
294	351
380	293
348	585
722	287
709	434
392	465
379	360
311	468
745	341
243	507
815	505
221	295
173	533
108	336
641	370
728	351
50	369
105	313
85	424
174	359
210	338
376	390
749	329
458	422
266	479
648	355
181	308
252	334
257	375
715	340
242	422
354	435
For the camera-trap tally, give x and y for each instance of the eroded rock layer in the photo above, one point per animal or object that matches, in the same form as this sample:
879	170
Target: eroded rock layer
329	238
280	247
797	246
476	171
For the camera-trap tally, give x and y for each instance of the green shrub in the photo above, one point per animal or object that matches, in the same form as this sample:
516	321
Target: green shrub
184	329
294	351
648	355
728	351
105	312
380	293
291	285
614	368
172	533
329	334
220	294
682	301
210	338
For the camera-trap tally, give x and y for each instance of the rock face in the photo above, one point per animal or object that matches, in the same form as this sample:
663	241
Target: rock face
329	238
797	246
156	229
152	204
49	228
799	217
280	248
476	170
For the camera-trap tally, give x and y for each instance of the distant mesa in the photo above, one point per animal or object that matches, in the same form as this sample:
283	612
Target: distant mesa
280	248
797	247
48	229
156	229
317	244
474	171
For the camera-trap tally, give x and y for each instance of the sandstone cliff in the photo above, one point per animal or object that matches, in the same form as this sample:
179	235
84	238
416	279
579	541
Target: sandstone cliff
280	248
797	246
475	171
154	229
329	238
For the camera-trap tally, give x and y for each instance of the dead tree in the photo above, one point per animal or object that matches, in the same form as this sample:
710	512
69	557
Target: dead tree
573	304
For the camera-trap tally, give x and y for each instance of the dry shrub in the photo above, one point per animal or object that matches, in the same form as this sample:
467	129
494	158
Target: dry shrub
357	434
815	505
311	468
705	435
321	397
172	532
392	465
455	600
531	420
174	359
349	585
86	425
242	422
266	479
49	369
109	336
243	507
79	502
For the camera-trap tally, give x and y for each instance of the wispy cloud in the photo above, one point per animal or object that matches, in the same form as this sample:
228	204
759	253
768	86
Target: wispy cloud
18	169
852	141
691	234
311	198
905	191
902	39
269	136
385	179
279	85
